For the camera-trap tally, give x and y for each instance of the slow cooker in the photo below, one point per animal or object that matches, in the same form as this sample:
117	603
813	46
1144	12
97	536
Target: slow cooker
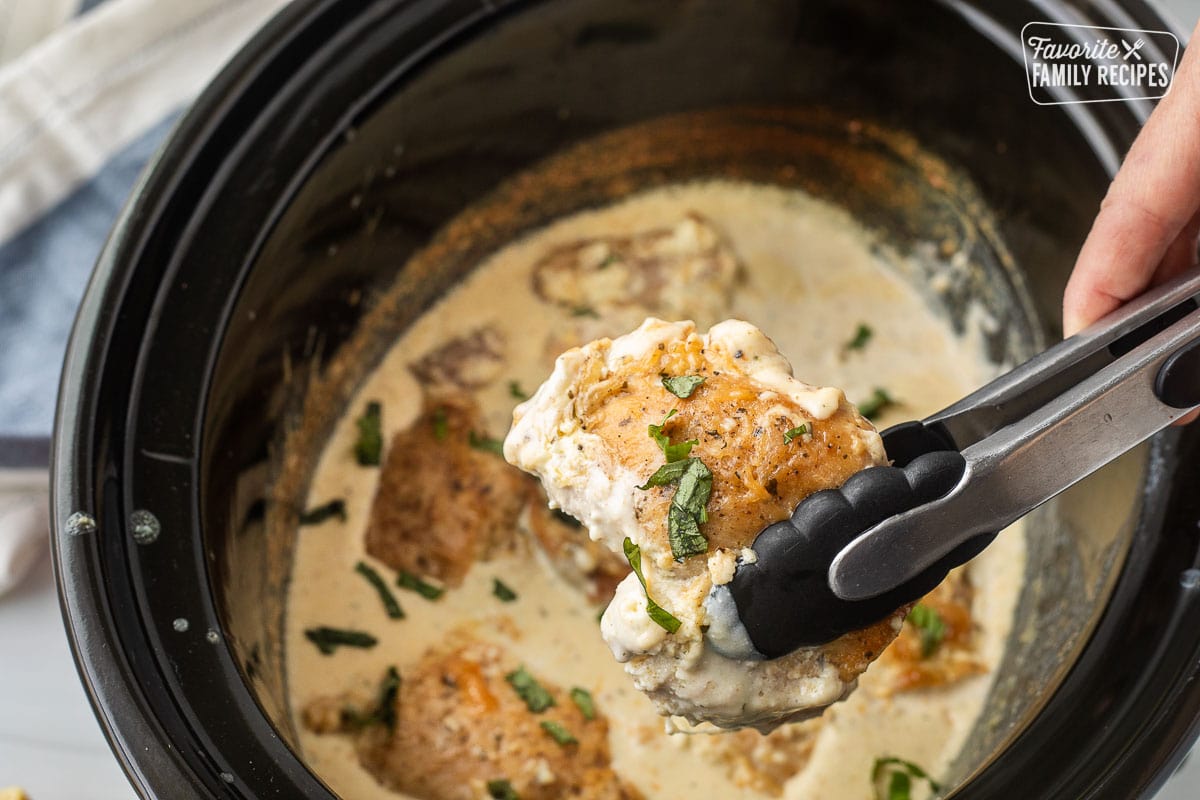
241	274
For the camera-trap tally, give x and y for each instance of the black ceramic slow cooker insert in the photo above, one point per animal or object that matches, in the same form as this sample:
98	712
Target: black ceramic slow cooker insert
239	265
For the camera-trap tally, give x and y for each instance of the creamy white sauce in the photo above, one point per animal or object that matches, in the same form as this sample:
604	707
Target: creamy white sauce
810	276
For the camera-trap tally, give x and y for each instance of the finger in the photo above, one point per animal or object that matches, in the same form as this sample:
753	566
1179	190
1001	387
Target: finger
1181	255
1154	195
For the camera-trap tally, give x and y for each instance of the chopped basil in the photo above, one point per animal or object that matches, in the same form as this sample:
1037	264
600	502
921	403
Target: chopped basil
566	518
584	311
536	698
862	335
900	774
482	442
684	534
582	699
368	449
874	405
666	474
899	786
315	516
673	452
406	580
384	712
328	640
385	594
502	591
930	627
683	385
795	433
558	733
515	390
663	618
695	486
441	425
688	507
502	790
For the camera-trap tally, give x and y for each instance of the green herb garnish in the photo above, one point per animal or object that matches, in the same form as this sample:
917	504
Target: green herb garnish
389	690
862	335
515	390
673	452
385	594
502	790
441	425
874	405
502	591
582	699
406	580
486	443
684	534
558	733
900	781
688	507
794	433
683	385
328	640
695	486
368	449
384	712
584	311
930	627
666	474
315	516
536	698
660	615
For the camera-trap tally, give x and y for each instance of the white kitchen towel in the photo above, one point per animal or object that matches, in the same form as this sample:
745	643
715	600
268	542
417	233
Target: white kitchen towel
24	23
81	111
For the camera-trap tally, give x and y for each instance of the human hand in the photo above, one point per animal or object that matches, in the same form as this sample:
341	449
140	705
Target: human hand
1146	230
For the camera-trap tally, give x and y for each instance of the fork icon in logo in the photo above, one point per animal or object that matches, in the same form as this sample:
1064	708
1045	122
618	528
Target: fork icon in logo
1132	50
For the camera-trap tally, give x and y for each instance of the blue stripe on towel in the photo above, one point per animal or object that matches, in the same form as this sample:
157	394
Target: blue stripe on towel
87	5
43	271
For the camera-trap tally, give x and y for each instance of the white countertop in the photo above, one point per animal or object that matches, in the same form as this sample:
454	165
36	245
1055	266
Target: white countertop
50	744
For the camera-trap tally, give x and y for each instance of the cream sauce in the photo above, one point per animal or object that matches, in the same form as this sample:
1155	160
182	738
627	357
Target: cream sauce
811	274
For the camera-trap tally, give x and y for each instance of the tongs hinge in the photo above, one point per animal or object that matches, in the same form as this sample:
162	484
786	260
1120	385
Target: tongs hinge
1036	431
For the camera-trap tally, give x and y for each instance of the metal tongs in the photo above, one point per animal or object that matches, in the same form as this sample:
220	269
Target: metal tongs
849	557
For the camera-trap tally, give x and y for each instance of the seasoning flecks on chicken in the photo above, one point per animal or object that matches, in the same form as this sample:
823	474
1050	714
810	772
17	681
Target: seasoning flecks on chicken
768	440
443	504
459	724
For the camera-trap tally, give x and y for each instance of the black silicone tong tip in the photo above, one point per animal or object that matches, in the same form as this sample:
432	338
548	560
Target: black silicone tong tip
784	599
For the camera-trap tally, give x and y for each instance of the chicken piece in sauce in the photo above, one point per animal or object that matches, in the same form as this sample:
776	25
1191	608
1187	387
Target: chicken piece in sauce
458	723
444	502
765	440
